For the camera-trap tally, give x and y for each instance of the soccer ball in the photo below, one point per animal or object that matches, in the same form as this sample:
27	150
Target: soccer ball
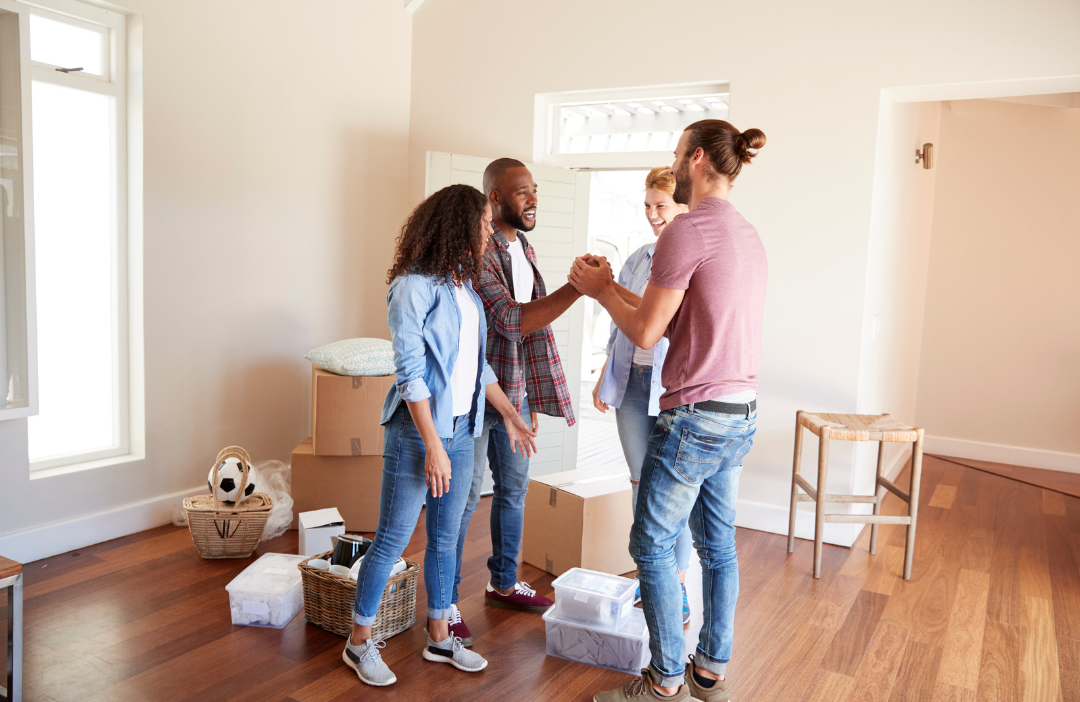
230	475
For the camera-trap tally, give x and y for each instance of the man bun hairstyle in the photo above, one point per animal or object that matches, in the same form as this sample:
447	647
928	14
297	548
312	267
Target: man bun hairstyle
726	148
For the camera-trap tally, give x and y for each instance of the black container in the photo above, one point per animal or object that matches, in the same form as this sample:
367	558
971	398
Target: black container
348	549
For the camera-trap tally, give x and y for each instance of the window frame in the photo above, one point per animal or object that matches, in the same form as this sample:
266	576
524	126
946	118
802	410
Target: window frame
112	83
545	121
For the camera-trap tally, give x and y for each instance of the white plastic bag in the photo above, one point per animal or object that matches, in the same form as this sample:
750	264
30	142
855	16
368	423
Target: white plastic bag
275	479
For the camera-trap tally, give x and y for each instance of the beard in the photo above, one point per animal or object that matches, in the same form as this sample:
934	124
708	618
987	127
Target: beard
514	219
683	186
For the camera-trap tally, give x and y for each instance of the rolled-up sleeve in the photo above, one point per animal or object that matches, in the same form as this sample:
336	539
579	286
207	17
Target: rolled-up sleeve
409	300
488	376
503	311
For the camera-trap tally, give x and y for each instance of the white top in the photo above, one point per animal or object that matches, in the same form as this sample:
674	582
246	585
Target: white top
644	357
463	377
522	272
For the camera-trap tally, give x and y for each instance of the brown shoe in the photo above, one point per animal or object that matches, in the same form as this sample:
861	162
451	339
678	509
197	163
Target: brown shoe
640	689
717	692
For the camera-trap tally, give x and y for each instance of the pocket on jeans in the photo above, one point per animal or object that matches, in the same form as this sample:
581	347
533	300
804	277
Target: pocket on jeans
699	454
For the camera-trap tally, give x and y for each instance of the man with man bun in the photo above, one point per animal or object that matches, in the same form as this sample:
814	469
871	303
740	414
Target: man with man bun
521	350
706	293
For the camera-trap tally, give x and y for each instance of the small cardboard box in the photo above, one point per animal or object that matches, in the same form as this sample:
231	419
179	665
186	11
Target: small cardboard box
578	519
345	413
352	484
316	528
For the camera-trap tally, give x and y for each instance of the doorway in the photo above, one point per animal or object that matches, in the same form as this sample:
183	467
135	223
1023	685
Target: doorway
617	228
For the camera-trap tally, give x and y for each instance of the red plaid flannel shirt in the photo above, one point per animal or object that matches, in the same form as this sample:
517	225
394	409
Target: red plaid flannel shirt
531	363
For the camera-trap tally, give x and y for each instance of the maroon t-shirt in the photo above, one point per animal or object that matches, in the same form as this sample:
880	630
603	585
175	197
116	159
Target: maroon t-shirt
717	257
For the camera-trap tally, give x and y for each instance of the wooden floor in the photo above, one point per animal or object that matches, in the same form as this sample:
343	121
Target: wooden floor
992	613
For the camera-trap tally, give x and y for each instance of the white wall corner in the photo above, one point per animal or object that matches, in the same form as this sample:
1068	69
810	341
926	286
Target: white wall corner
1000	453
59	537
413	5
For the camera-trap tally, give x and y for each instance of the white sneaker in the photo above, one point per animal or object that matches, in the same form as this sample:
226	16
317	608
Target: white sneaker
452	651
368	664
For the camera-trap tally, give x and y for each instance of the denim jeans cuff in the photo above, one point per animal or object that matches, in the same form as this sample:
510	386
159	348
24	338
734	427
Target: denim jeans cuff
667	680
504	581
362	620
703	660
438	613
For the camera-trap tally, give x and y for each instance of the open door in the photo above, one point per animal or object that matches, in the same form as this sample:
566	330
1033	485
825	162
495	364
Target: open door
561	234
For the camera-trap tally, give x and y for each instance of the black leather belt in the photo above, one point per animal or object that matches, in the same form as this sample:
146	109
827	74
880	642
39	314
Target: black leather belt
725	407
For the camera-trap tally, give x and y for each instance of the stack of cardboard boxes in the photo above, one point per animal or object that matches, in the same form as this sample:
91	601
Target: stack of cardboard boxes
340	464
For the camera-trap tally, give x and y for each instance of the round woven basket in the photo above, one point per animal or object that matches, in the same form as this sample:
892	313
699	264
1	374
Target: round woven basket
328	600
220	530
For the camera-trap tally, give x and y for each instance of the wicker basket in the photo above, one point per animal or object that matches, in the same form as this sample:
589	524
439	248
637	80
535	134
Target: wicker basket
228	531
328	600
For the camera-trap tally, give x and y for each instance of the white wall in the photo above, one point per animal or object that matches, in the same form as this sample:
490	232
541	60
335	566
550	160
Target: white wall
810	75
275	166
1001	347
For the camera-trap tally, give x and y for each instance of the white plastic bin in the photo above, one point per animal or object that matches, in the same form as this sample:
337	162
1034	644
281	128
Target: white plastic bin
599	600
268	592
625	650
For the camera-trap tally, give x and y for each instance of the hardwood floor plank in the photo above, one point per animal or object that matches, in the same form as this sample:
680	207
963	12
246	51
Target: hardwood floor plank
999	674
1053	503
877	671
953	693
1069	669
1040	679
943	496
917	677
847	648
827	686
962	646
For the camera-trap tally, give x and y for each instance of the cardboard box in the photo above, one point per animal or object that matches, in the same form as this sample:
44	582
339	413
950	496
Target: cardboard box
352	484
316	528
578	519
345	413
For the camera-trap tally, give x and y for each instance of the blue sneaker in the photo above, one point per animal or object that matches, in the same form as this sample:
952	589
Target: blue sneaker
685	608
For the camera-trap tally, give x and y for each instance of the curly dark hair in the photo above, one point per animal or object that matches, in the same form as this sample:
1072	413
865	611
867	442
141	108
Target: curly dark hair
442	236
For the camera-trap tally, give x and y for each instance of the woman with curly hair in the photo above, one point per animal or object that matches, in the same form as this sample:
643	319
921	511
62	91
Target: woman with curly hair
430	417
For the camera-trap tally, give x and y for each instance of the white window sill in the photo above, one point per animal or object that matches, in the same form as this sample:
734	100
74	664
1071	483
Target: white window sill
87	465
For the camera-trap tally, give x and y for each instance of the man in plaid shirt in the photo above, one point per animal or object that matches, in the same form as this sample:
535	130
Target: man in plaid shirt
521	351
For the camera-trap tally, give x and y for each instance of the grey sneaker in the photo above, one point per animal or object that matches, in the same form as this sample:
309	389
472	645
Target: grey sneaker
452	651
642	690
717	692
368	664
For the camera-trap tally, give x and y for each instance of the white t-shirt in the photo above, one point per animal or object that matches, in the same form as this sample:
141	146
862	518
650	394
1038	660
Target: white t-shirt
522	272
644	357
463	377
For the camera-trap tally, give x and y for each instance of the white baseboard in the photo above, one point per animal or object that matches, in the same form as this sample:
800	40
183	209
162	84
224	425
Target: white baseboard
999	453
59	537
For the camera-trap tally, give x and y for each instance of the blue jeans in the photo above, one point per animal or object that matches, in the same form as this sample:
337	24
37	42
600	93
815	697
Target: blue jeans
635	426
404	492
511	473
691	470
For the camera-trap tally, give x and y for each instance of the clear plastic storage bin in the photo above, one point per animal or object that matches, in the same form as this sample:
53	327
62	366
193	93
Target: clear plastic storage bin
625	650
598	600
268	592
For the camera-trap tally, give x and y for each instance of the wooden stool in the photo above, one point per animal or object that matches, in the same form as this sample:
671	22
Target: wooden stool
11	577
855	427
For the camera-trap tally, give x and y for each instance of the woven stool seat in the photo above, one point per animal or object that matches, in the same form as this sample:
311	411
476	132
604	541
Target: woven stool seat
855	427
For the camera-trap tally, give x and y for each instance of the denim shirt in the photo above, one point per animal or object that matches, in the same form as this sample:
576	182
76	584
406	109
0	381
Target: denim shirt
634	276
425	325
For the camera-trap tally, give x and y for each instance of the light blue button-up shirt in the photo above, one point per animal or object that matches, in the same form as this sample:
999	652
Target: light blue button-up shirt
634	276
425	326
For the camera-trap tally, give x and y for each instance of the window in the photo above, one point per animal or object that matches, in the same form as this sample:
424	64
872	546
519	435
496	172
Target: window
621	128
72	70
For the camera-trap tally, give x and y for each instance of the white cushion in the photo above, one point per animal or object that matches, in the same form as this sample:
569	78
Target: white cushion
355	357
